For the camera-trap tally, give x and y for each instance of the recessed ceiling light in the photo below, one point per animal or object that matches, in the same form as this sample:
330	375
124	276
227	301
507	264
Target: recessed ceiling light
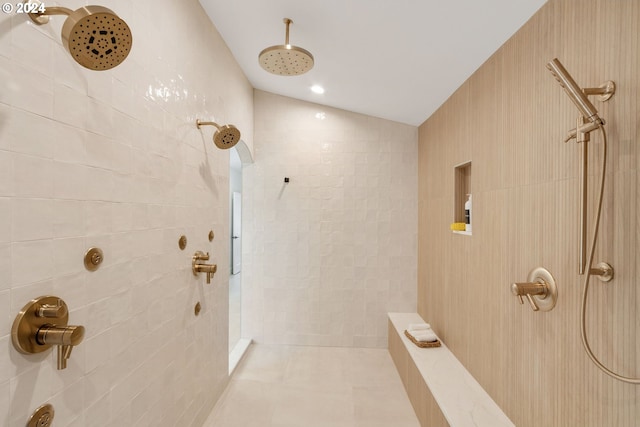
317	89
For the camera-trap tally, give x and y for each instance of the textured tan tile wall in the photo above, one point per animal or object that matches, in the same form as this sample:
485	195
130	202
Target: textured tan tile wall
509	119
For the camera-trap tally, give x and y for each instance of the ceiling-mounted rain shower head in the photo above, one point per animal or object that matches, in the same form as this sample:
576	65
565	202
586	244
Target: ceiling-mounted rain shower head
95	36
286	60
225	137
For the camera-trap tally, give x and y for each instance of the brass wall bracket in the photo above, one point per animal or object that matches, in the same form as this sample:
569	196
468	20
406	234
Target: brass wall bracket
605	91
42	323
603	271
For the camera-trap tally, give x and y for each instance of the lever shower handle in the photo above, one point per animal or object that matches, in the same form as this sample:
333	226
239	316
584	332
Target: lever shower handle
199	267
210	270
528	289
65	337
533	304
60	335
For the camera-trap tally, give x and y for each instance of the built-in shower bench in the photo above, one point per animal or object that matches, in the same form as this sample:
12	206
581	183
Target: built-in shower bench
441	390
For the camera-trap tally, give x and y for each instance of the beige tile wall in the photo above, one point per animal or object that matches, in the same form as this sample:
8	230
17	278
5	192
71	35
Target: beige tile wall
114	159
509	119
327	255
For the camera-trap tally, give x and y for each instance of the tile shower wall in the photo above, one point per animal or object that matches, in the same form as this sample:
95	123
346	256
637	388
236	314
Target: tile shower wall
328	254
113	159
509	119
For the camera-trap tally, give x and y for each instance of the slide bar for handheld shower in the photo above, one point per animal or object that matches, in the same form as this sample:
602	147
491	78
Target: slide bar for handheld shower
587	122
602	270
583	138
581	133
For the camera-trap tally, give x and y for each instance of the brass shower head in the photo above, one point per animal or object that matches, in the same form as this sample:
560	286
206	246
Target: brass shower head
286	60
225	137
95	36
574	91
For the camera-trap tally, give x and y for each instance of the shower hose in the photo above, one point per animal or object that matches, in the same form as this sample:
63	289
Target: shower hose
585	341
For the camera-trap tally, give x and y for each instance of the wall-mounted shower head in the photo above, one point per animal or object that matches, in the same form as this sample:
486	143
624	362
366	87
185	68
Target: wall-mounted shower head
573	90
95	36
225	137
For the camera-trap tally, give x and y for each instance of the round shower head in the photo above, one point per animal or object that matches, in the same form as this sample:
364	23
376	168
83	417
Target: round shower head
96	37
286	60
225	137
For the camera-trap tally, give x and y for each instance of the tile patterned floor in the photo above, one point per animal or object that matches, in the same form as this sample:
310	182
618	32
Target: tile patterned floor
287	386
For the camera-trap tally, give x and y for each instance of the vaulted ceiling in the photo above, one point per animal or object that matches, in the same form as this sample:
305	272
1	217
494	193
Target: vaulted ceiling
399	60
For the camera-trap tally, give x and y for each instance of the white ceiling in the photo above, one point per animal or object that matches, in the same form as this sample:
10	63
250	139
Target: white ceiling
395	59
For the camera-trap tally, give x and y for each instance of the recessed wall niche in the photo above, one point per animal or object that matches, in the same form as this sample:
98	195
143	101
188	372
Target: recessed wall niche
462	182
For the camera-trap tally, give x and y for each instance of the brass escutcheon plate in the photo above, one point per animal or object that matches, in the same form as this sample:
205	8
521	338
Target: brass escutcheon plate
542	275
609	89
197	308
182	242
211	235
93	258
607	272
25	326
42	417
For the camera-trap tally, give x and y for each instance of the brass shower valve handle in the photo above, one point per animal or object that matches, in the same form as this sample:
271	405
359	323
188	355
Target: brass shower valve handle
42	323
529	289
200	267
540	290
65	337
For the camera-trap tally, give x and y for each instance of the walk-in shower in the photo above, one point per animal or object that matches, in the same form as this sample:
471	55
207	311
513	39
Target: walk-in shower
586	123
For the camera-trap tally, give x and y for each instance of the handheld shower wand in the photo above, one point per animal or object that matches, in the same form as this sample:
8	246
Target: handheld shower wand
573	90
586	123
589	122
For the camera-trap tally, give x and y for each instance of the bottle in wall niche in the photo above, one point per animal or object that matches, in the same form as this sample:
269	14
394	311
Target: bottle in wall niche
467	213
